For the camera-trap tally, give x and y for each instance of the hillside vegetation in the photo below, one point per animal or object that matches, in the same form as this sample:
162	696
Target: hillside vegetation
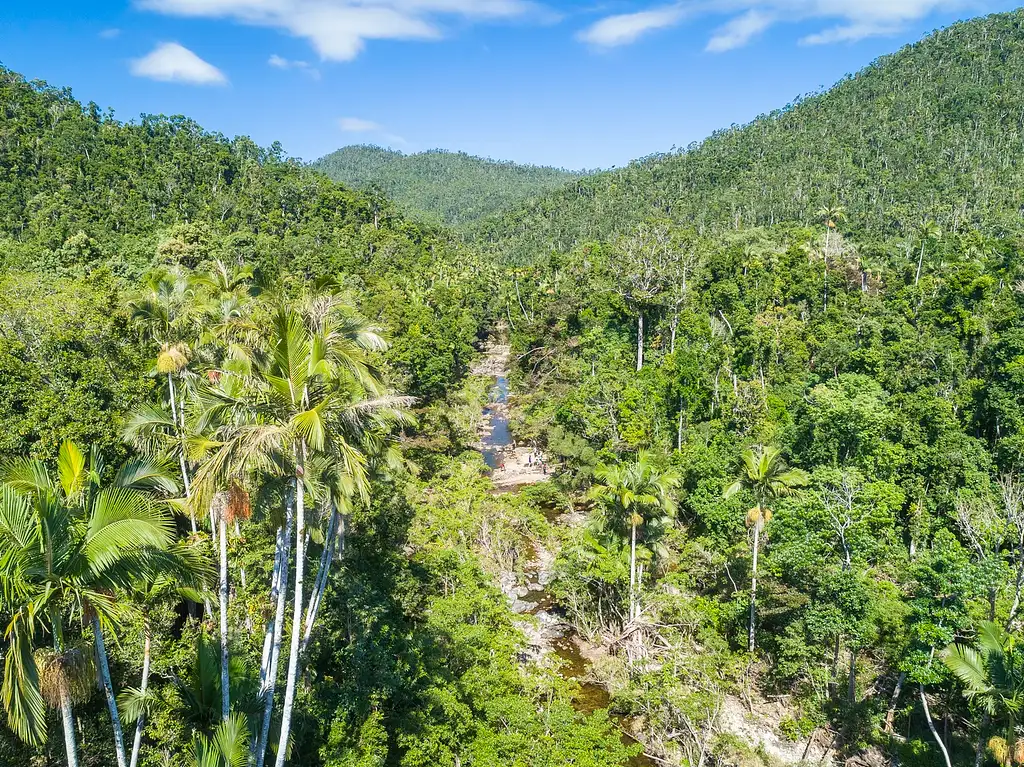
924	132
250	339
453	188
775	381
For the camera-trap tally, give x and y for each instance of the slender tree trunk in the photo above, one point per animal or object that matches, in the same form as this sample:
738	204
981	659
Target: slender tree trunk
181	454
293	656
931	725
66	716
278	632
225	682
275	587
632	572
753	586
143	687
851	689
68	722
108	689
917	279
679	426
640	342
979	749
894	700
320	585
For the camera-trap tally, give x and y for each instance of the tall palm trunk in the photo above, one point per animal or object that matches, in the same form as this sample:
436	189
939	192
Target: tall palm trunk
275	587
143	687
320	585
278	634
640	343
917	277
931	725
890	713
293	655
185	479
66	716
108	689
753	586
225	690
632	572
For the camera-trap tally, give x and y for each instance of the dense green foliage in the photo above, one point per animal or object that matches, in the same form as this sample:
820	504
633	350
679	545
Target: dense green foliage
168	291
444	187
927	131
779	375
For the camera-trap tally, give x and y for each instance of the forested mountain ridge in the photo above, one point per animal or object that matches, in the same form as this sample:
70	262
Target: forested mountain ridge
205	348
930	131
454	188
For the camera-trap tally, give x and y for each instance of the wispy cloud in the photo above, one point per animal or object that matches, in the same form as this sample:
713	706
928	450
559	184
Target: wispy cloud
110	34
737	32
852	20
359	125
171	62
626	28
279	62
338	29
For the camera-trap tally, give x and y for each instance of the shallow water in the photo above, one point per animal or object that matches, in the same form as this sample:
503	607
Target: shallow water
575	667
496	413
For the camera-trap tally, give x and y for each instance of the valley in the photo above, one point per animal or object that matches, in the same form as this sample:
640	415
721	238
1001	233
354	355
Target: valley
424	460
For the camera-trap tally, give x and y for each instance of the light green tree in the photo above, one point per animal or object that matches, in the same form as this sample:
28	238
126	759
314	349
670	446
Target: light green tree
766	476
634	495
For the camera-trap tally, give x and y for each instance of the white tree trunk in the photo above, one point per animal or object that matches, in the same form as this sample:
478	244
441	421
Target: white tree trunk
753	586
108	689
66	716
632	573
225	681
181	454
293	655
68	721
320	585
143	687
931	725
278	632
640	343
275	587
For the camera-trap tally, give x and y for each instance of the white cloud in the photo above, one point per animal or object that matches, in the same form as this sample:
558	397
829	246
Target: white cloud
737	32
358	125
846	33
171	62
629	27
279	62
852	20
110	34
338	29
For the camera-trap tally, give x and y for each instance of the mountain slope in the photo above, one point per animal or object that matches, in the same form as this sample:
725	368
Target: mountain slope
932	130
450	187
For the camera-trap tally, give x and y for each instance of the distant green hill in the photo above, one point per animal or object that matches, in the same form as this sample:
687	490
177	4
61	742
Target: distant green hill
444	187
933	130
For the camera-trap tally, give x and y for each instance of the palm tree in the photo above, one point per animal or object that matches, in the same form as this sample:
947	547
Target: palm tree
229	746
66	546
632	496
766	476
992	672
184	582
831	216
312	394
164	314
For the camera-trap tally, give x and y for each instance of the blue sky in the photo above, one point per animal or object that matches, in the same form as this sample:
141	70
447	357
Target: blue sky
577	84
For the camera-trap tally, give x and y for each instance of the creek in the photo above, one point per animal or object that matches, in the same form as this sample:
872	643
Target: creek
556	634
